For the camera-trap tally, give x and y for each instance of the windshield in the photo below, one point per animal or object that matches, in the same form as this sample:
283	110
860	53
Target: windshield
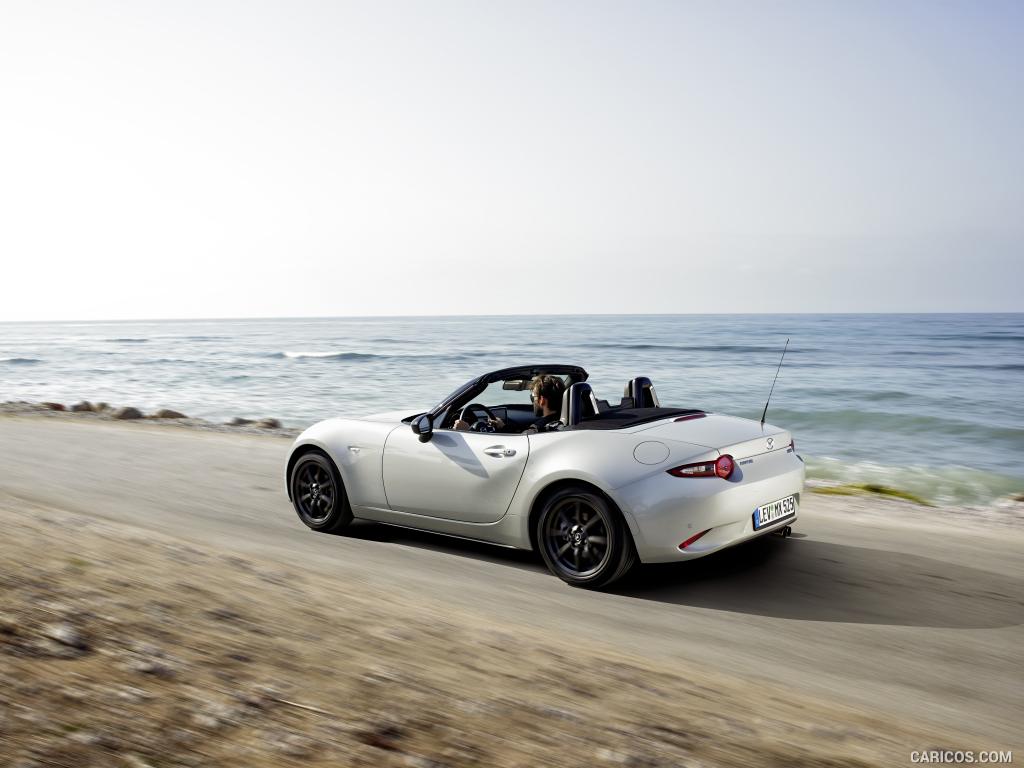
518	391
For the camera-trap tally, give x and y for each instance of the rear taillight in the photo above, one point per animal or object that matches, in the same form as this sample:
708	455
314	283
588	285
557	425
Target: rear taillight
722	468
700	469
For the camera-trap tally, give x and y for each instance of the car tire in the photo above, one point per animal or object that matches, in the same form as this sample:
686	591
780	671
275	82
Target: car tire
583	538
318	494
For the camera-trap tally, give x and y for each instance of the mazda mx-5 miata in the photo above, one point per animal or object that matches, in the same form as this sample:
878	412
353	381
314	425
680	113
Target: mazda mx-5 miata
616	483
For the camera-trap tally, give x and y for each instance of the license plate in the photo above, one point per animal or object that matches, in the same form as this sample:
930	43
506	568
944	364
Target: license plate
774	511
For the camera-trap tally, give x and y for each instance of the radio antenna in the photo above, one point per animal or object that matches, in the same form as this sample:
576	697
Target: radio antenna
765	412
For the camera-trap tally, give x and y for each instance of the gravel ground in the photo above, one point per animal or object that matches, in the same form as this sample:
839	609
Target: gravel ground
118	647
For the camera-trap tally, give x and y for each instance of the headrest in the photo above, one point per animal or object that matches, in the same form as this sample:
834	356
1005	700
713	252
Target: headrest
579	402
641	390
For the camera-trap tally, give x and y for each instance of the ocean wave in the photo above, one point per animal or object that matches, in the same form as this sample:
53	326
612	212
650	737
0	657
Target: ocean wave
939	485
882	396
991	336
325	355
362	356
975	366
127	341
997	367
852	420
20	360
921	352
851	394
746	349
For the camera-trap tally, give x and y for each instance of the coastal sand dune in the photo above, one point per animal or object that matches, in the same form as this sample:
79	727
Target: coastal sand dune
161	605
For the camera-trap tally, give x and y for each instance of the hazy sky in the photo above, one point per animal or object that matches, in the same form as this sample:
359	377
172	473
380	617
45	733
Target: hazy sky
214	159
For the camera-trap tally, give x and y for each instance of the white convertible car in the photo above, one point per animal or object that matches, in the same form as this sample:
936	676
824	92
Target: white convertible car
616	483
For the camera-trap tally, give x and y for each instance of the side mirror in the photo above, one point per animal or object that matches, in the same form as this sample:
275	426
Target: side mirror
423	427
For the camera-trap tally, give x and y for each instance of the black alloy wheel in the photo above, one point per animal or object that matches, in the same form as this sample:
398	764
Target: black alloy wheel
583	538
318	494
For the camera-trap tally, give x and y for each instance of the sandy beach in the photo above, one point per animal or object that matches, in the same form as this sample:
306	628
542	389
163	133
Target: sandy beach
162	605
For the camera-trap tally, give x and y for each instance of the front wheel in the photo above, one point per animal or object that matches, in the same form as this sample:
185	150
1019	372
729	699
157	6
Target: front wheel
318	494
583	538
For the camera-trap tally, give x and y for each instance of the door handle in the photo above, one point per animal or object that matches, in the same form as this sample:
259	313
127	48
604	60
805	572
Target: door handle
500	451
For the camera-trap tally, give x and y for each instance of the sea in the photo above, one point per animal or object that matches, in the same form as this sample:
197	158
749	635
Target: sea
932	404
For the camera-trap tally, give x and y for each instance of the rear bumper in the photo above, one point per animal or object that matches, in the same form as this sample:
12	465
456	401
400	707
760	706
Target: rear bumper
663	511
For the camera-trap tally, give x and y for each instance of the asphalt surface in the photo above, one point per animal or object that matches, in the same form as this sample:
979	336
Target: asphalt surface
885	608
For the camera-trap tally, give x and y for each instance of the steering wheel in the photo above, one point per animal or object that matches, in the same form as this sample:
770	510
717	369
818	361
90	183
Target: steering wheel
476	423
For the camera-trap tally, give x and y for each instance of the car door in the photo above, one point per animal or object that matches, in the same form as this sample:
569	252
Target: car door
466	476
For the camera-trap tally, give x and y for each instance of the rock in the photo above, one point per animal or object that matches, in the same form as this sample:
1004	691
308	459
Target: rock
150	660
382	735
268	424
214	716
66	634
53	406
131	694
127	413
206	721
8	624
167	413
100	407
148	649
82	407
610	756
268	693
98	738
239	422
72	693
152	667
418	761
249	699
183	737
86	737
294	745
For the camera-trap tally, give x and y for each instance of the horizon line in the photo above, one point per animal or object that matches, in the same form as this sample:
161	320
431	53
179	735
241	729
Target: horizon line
500	315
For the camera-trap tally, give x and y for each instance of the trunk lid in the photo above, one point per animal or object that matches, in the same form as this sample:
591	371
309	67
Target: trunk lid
740	438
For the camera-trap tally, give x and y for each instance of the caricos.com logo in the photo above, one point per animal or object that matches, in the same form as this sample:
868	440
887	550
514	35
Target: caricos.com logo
961	757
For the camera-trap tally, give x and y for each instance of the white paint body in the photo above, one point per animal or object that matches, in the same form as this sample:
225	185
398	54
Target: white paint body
484	486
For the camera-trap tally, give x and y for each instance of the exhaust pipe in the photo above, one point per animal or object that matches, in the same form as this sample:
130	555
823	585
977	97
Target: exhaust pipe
786	531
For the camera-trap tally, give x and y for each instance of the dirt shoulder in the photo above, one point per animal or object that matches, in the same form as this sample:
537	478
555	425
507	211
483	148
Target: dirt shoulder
121	647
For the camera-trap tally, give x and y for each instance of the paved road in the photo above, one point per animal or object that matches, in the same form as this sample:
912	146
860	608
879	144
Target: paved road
891	613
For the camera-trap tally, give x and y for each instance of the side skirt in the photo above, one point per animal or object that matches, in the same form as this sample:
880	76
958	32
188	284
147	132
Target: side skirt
504	532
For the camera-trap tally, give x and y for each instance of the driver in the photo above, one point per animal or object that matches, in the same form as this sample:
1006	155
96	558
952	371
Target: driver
546	392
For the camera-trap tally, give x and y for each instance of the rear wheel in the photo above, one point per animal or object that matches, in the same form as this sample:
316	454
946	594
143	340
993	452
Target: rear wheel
583	538
318	494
